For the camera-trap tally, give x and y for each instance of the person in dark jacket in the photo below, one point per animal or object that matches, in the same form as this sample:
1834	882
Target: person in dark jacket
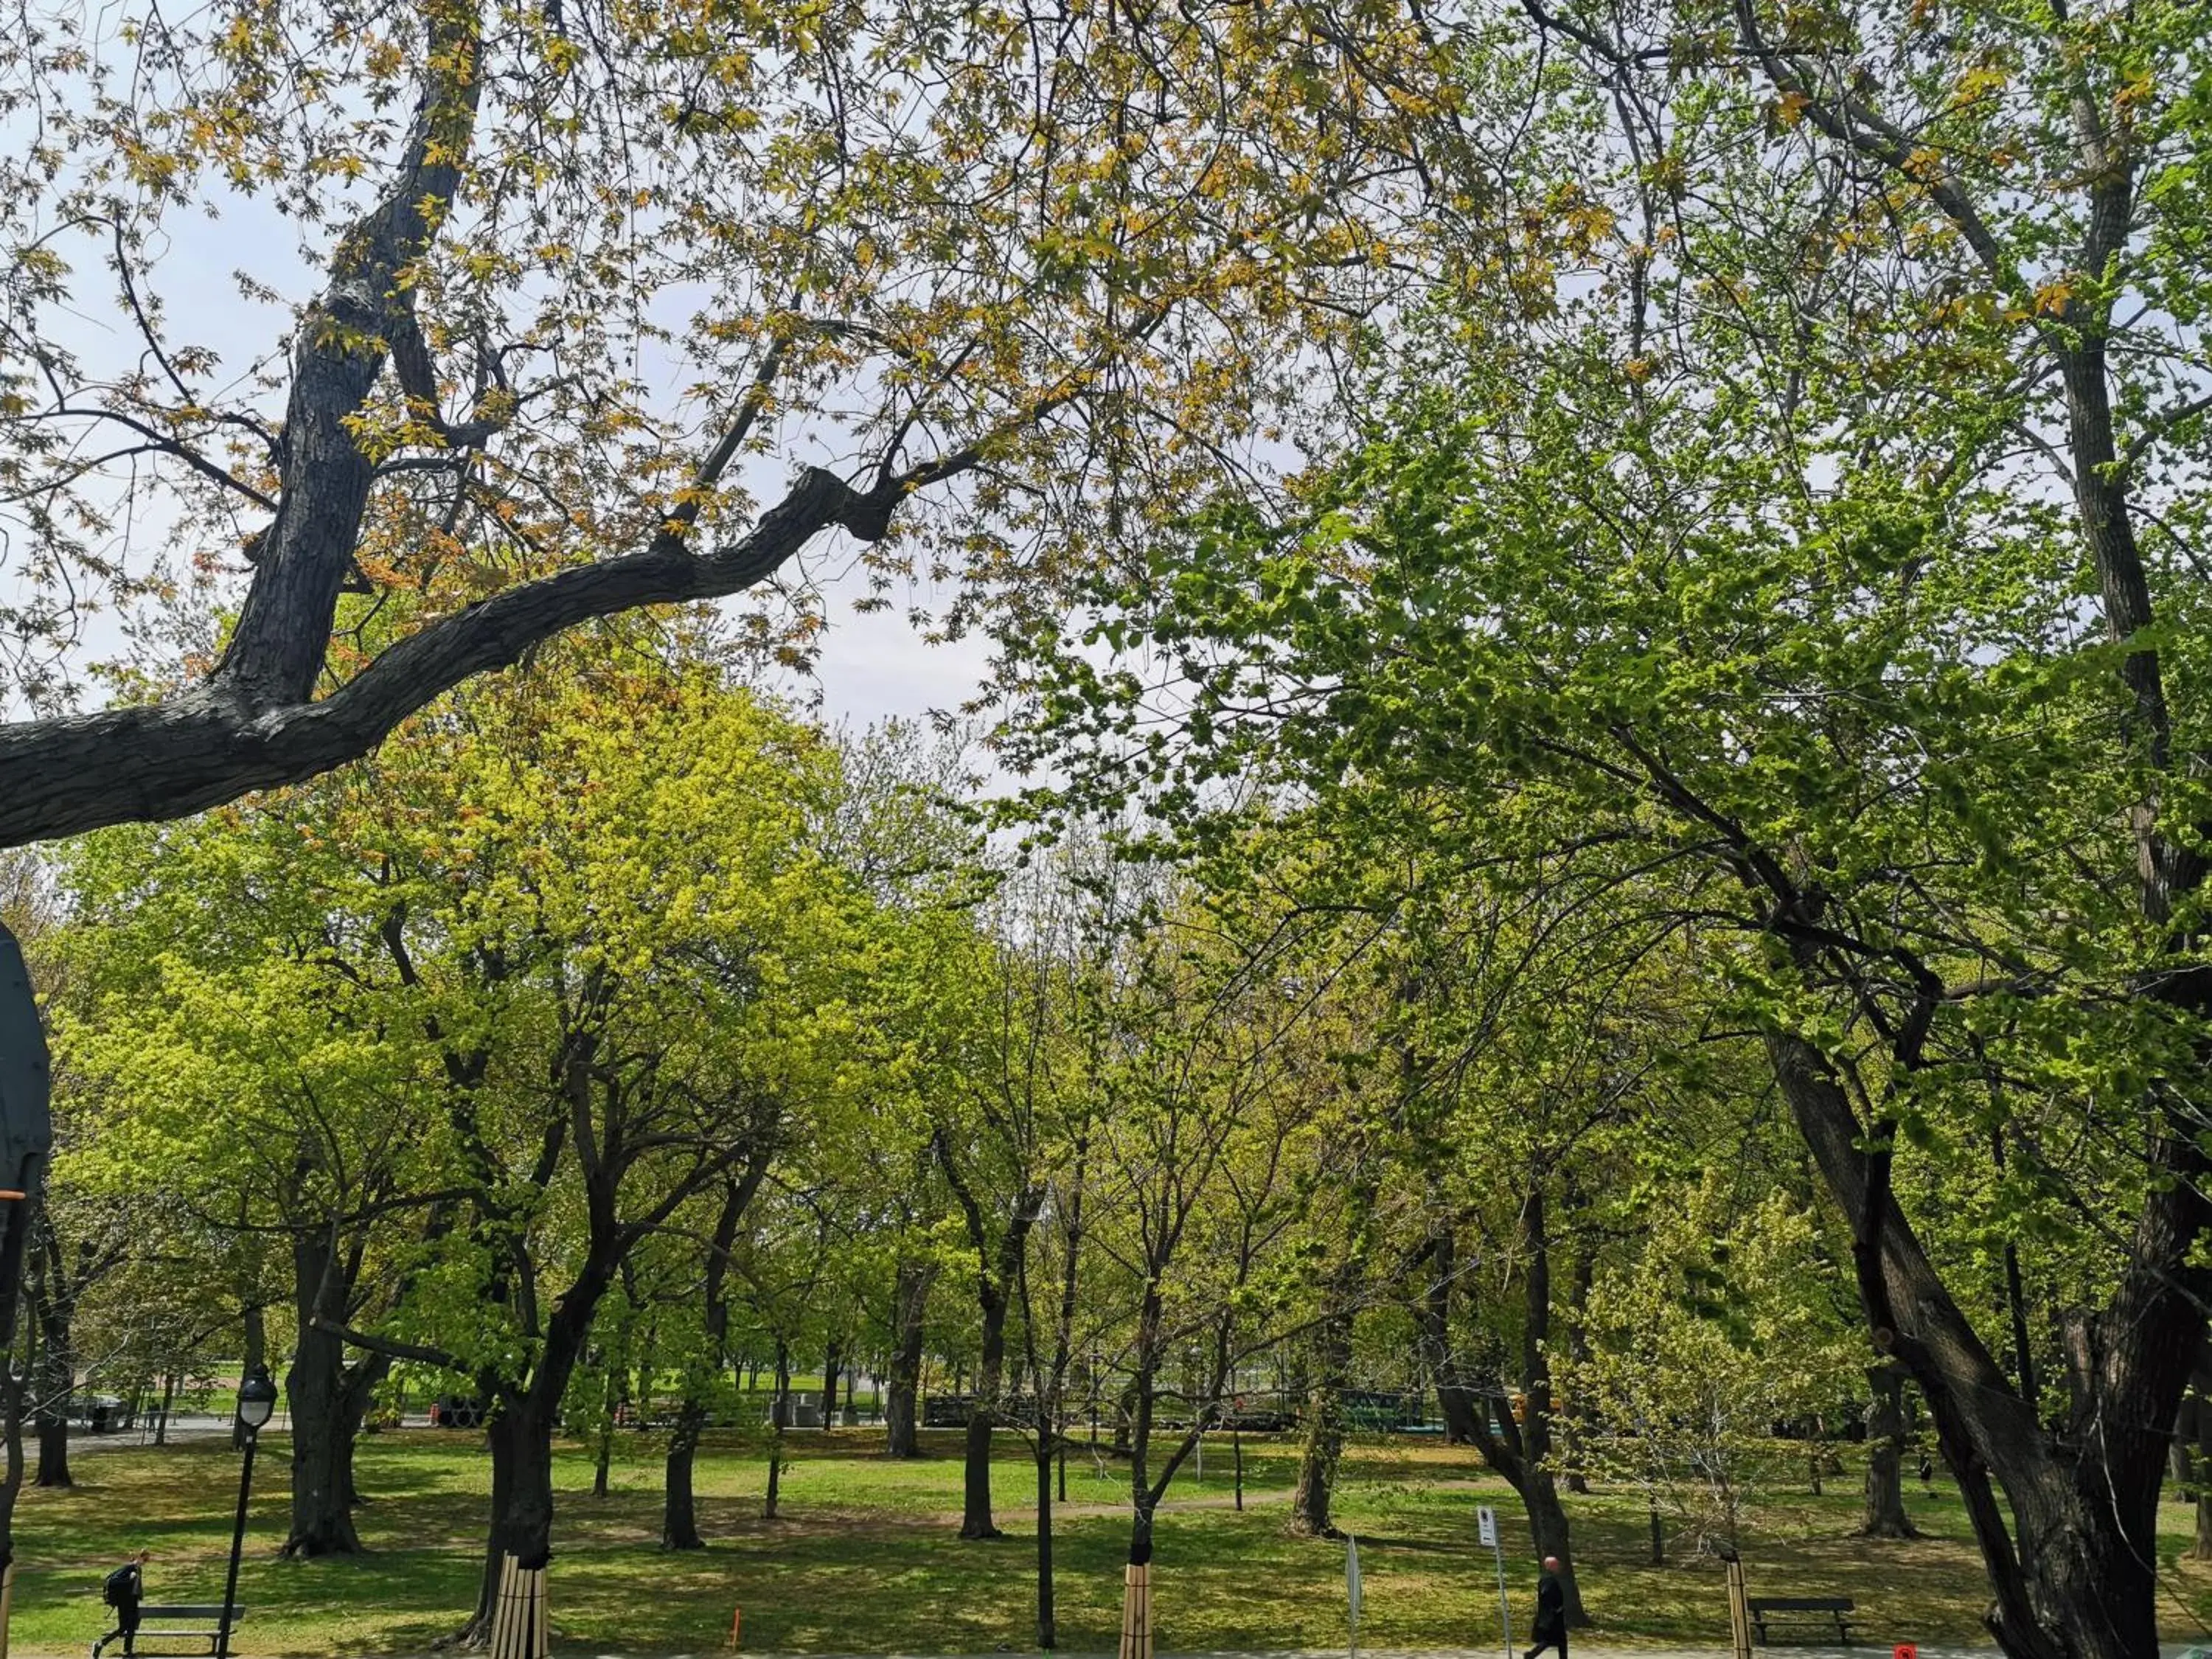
125	1590
1551	1627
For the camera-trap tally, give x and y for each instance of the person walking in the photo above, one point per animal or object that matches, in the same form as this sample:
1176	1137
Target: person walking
125	1590
1550	1629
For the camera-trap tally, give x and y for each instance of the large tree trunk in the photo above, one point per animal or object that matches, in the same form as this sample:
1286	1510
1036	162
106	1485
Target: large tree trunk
322	1434
328	1399
1521	1450
679	1518
1455	1399
521	1434
1324	1430
976	1522
2080	1581
1884	1474
56	1385
909	1302
53	1447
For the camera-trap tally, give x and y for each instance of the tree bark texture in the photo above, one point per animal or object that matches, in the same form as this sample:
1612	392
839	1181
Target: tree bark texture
679	1515
521	1436
1323	1444
975	1519
909	1302
679	1519
327	1398
1885	1515
1521	1451
2077	1579
1456	1400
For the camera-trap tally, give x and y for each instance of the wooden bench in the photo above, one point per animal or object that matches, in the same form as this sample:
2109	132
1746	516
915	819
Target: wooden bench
161	1623
1836	1607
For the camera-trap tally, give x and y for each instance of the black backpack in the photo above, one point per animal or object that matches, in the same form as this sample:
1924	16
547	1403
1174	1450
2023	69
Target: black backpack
121	1588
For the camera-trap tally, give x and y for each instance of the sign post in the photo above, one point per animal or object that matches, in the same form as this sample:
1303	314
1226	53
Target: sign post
1486	1520
1351	1587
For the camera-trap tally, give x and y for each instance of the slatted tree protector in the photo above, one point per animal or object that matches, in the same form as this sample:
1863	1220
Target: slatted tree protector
1739	1609
520	1629
1137	1612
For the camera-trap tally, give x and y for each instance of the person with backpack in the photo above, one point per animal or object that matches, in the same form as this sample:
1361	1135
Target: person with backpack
125	1590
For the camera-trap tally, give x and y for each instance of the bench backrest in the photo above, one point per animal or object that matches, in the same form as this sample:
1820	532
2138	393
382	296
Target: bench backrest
1801	1603
189	1610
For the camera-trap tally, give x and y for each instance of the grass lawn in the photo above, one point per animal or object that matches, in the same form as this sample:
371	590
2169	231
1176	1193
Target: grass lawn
866	1559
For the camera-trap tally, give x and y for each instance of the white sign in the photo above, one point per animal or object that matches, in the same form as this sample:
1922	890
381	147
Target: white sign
1486	1519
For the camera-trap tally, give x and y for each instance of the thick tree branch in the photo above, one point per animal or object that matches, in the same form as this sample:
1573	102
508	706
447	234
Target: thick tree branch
58	777
391	1348
283	628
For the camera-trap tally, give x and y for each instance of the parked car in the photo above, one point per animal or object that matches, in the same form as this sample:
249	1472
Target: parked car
100	1413
456	1411
1259	1413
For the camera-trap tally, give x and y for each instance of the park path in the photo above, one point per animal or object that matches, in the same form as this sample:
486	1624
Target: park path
1599	1650
1083	1508
1080	1509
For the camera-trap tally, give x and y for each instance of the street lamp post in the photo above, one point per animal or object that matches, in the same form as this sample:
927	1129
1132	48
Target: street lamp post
257	1400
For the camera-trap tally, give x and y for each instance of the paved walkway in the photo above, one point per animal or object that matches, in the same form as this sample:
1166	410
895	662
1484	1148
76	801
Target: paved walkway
1597	1650
1866	1650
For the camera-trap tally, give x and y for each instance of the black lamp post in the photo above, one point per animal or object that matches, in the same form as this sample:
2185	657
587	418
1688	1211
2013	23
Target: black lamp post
256	1400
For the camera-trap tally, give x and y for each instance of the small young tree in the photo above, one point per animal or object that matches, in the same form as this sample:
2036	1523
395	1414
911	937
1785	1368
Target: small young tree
1718	1329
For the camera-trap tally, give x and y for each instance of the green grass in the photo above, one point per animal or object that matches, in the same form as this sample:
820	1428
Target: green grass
866	1560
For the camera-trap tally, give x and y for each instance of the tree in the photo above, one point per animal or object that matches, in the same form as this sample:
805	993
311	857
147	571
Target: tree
1789	551
1896	859
26	911
679	1524
993	1133
253	1062
1203	1125
1717	1330
74	1247
1037	275
1884	1474
628	958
